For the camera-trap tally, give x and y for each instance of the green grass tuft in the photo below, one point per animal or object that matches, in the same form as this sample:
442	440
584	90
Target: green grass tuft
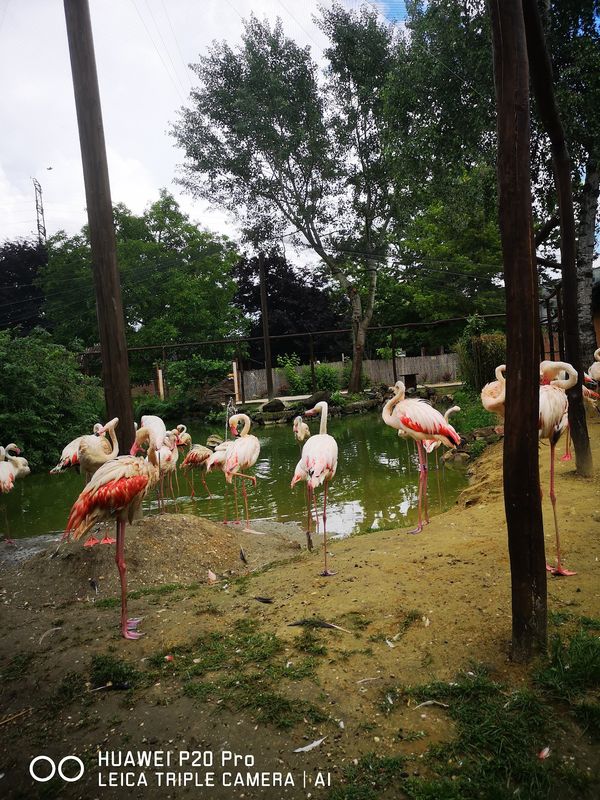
107	669
573	666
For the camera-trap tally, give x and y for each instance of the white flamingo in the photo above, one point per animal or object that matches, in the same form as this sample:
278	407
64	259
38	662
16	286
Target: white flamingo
317	466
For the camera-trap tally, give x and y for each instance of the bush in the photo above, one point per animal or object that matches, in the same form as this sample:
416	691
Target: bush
479	354
472	414
347	371
326	378
190	373
46	401
298	382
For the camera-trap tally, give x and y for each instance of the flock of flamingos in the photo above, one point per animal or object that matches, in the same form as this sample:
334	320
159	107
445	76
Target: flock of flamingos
117	485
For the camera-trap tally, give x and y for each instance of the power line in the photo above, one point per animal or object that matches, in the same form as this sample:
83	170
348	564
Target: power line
185	65
168	52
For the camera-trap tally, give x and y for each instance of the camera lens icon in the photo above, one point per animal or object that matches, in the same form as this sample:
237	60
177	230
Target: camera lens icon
43	774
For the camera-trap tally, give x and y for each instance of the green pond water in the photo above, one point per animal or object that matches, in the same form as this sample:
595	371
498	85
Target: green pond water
375	486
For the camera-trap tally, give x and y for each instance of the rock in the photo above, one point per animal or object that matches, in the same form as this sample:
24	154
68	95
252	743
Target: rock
274	405
317	397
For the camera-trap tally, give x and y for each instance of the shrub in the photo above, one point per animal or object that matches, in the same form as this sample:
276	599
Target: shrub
190	373
46	401
326	378
347	371
479	354
298	382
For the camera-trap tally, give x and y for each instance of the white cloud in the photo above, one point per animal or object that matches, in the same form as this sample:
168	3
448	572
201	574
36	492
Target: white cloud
143	82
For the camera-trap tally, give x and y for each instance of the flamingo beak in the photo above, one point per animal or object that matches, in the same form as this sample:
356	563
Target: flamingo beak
135	449
234	430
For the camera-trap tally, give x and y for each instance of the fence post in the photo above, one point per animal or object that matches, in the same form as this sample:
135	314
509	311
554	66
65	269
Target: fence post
265	324
550	331
394	369
164	373
313	378
241	376
559	321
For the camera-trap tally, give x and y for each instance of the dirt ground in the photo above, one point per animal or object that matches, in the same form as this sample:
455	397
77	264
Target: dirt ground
410	608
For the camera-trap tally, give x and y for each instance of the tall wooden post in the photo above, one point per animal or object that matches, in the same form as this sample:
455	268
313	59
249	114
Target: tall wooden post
394	368
521	470
109	306
265	323
542	82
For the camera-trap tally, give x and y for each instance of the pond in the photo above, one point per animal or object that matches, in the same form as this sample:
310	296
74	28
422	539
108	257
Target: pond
375	486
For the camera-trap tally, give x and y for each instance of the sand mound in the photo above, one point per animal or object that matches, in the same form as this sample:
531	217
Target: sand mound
159	550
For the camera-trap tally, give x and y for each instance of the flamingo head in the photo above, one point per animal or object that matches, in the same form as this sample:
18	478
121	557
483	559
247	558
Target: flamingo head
399	389
109	426
312	412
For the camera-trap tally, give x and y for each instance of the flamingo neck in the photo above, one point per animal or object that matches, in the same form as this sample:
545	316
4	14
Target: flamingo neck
570	381
114	442
246	428
389	407
323	426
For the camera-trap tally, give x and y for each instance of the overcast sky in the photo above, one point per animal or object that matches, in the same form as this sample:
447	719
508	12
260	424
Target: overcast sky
142	49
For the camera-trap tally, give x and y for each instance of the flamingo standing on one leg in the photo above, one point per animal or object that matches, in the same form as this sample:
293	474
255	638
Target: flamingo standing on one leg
68	457
217	460
7	482
554	409
116	492
430	445
168	455
417	419
241	456
317	467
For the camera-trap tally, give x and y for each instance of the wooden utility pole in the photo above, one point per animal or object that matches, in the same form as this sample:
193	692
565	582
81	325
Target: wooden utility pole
265	324
541	80
109	306
522	499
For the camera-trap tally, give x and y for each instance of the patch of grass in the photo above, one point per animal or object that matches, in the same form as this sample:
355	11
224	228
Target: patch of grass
558	618
587	715
17	666
371	777
107	669
472	414
476	448
573	666
356	621
305	668
209	609
147	591
198	691
309	642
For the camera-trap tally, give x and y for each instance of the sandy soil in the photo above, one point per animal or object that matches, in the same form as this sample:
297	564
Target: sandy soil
413	608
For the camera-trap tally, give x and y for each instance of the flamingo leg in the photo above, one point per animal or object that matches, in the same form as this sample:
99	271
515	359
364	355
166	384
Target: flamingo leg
567	456
419	527
177	481
244	492
235	500
225	503
326	572
204	483
309	542
425	477
128	626
558	569
7	538
316	512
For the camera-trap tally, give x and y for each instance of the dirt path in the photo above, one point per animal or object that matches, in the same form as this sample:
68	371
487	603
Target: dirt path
413	608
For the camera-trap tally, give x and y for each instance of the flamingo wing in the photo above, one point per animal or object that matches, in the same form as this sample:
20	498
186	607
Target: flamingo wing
421	418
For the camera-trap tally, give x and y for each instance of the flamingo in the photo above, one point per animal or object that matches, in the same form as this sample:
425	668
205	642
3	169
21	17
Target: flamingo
301	430
493	395
167	460
7	482
594	370
242	455
417	419
152	431
553	419
198	458
96	450
68	457
115	491
317	466
431	444
20	465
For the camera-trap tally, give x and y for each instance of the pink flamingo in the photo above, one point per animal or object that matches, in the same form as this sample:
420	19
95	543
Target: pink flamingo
168	455
116	492
20	465
317	466
493	395
7	482
594	370
198	458
554	409
432	444
152	431
417	419
217	460
242	455
301	430
68	457
96	450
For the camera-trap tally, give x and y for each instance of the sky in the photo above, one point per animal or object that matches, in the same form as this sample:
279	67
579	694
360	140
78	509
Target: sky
142	51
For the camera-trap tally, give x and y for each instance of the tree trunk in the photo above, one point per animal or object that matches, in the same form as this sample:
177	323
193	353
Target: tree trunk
522	499
359	335
585	260
541	78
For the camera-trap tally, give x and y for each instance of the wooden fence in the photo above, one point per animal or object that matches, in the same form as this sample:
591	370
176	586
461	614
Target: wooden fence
428	369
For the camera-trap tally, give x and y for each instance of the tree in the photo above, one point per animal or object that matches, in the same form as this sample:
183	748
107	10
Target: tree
20	265
298	301
176	280
521	468
542	82
266	140
45	400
